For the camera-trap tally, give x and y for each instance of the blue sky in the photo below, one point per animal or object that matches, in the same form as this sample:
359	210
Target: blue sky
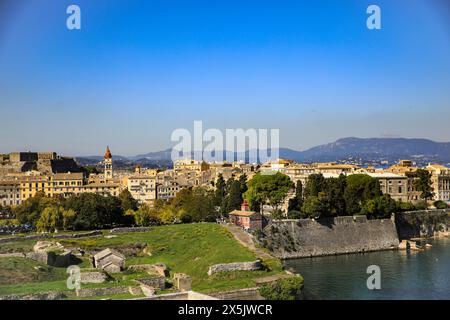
137	70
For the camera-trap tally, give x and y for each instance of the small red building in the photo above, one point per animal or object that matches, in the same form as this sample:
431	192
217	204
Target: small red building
249	220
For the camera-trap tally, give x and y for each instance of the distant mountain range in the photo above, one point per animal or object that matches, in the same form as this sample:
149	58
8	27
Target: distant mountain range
362	149
374	149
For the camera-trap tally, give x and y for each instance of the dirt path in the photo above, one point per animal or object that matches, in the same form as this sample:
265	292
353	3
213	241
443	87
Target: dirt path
246	240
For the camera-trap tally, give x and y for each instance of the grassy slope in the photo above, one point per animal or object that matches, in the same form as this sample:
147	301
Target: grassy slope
186	248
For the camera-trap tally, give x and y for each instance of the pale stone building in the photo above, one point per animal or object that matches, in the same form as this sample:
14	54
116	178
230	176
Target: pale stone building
440	181
392	184
67	184
9	192
142	187
188	164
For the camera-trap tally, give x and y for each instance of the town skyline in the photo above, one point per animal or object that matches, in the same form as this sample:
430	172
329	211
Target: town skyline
99	152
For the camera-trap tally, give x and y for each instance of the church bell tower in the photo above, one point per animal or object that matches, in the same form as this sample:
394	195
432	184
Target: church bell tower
107	160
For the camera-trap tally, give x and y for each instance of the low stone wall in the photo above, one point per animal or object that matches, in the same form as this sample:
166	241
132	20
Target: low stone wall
89	234
93	277
21	238
35	296
49	236
424	223
130	229
240	294
186	295
330	236
90	292
155	282
13	255
235	266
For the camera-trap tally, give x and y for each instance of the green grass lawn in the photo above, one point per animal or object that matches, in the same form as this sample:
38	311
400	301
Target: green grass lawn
186	248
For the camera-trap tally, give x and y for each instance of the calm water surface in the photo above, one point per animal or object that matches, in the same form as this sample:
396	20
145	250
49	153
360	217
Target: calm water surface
404	275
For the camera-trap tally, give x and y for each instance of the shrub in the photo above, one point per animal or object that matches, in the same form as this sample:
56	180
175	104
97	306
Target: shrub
406	206
421	205
294	214
440	204
283	289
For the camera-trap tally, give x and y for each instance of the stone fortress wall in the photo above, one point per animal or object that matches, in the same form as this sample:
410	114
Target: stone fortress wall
330	236
350	234
424	223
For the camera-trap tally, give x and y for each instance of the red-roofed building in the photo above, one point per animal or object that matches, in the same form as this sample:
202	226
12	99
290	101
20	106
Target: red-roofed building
249	220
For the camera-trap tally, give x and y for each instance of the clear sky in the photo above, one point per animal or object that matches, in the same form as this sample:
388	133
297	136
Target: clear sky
137	70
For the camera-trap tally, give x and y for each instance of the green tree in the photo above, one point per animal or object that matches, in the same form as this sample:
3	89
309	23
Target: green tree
95	211
271	189
51	219
30	210
316	206
296	203
219	193
314	185
146	216
233	199
335	190
359	189
127	201
422	183
243	182
196	204
379	207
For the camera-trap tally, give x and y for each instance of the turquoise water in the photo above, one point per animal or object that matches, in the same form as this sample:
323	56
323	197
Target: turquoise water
404	275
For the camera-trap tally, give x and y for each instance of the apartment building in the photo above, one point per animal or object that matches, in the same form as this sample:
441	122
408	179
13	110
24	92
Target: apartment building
9	192
440	181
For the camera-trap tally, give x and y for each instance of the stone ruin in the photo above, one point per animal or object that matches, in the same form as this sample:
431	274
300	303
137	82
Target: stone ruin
235	266
157	268
52	254
182	282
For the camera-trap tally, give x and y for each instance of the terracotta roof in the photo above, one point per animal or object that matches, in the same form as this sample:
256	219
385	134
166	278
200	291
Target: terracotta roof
68	176
108	153
242	213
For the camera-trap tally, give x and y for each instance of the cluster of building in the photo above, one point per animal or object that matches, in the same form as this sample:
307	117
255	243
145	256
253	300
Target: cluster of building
397	180
23	174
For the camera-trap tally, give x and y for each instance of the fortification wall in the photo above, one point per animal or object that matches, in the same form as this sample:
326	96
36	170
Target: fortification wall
425	223
330	236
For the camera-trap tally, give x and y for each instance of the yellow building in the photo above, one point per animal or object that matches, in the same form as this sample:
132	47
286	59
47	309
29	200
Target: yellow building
32	184
67	184
188	164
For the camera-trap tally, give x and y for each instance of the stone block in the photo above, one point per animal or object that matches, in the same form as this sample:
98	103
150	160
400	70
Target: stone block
93	277
182	282
235	266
